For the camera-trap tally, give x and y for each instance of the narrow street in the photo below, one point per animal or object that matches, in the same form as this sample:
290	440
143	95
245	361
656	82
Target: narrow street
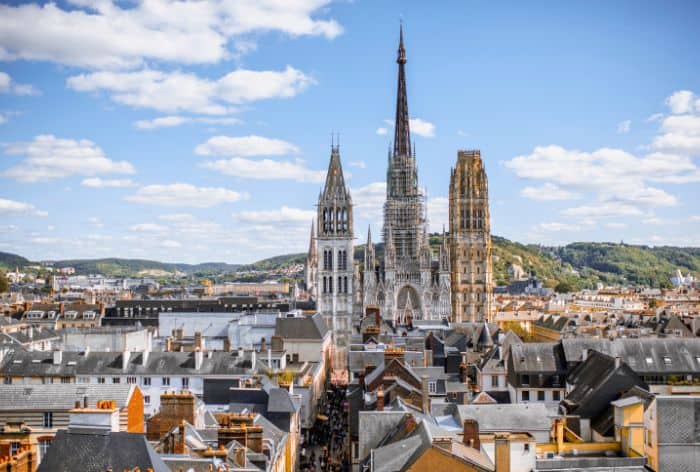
326	447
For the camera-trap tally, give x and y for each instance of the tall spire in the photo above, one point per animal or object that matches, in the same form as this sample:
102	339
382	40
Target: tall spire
402	133
312	242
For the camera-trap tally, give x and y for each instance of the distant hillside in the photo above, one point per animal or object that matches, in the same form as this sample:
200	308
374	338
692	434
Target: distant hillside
577	265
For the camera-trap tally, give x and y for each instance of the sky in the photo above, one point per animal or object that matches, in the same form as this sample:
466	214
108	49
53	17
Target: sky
200	131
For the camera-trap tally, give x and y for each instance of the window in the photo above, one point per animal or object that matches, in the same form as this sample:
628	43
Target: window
65	380
166	381
556	395
14	447
525	379
100	380
131	380
116	380
147	381
48	419
526	447
494	380
432	386
44	445
147	399
185	382
526	395
7	380
540	395
667	360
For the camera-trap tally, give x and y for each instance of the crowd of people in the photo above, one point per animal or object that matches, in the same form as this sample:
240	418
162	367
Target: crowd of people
325	448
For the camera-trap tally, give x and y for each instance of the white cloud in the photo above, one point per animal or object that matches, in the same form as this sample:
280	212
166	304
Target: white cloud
266	169
176	217
654	221
368	200
556	227
8	228
185	195
107	34
438	213
624	127
148	228
245	146
7	85
695	218
9	207
422	127
170	244
358	164
654	117
283	215
681	101
175	120
382	131
681	133
185	92
603	210
97	182
47	158
615	225
548	191
95	221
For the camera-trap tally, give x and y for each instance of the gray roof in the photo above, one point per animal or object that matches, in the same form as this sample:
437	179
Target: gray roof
280	401
61	396
537	357
97	452
309	327
507	417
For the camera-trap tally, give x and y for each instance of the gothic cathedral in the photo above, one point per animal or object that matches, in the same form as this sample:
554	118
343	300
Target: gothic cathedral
470	239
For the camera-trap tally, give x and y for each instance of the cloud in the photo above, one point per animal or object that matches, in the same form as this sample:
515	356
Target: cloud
368	200
624	127
178	91
615	225
48	158
283	215
95	221
682	101
96	182
655	117
110	35
438	213
422	127
245	146
170	244
176	217
148	228
10	207
603	210
358	164
185	195
175	120
7	85
548	191
266	169
382	131
556	227
680	133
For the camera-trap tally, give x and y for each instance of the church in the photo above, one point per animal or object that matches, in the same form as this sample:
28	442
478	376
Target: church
408	281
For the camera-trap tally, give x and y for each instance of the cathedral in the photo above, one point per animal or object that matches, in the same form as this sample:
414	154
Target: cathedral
408	282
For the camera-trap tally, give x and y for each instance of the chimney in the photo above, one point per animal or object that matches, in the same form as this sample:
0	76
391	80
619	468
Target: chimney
57	357
277	343
380	399
584	354
502	452
263	345
168	344
179	443
174	409
198	359
144	357
425	394
269	358
410	423
227	344
427	358
470	434
125	359
361	380
463	372
103	419
198	341
618	362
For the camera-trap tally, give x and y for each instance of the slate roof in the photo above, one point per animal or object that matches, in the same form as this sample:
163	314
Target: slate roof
507	417
61	396
537	357
97	452
309	327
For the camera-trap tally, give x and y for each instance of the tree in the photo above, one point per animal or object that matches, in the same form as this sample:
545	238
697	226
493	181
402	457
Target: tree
4	284
563	287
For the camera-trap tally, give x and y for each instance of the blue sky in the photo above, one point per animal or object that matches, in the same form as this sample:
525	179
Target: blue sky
201	131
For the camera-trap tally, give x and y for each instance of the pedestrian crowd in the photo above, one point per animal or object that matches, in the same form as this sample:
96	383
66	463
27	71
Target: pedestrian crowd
324	449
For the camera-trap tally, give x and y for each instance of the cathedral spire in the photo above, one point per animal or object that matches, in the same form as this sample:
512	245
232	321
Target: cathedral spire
312	241
402	133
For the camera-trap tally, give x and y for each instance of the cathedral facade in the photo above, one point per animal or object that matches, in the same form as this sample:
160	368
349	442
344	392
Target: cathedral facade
409	283
470	239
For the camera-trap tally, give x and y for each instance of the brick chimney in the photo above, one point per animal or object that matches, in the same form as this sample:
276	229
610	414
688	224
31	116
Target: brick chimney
277	343
263	345
380	399
470	434
410	423
168	344
502	453
174	408
241	427
179	442
198	341
463	372
425	394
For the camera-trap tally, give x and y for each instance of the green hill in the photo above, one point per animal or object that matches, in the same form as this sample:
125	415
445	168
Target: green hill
10	261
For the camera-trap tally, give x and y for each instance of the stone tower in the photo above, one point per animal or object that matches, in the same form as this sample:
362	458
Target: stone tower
334	283
311	268
470	239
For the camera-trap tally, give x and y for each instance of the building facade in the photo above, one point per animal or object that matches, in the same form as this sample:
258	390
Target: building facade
470	239
334	256
408	284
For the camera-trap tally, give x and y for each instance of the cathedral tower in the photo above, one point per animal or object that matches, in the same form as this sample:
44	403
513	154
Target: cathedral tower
311	269
470	239
334	282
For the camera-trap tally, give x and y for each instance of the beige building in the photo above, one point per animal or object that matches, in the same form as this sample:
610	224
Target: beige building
470	239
